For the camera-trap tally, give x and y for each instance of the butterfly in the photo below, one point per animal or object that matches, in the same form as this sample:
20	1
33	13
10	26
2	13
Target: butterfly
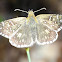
25	31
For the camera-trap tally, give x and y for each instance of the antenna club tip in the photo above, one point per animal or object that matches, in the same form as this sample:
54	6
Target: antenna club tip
43	8
16	9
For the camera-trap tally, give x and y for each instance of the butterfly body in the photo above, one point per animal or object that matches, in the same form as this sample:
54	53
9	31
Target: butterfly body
24	32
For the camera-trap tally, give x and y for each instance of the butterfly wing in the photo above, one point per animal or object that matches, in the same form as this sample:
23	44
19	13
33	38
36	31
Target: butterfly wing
22	38
53	21
47	28
45	35
17	31
8	27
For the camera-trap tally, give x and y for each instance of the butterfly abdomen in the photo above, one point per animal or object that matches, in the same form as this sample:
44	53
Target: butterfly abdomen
32	25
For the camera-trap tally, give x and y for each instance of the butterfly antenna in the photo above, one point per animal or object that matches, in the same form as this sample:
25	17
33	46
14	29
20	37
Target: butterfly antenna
40	10
20	10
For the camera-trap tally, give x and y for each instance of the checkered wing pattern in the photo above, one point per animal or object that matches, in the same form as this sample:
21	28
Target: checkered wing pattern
45	35
17	31
48	26
22	37
53	21
8	27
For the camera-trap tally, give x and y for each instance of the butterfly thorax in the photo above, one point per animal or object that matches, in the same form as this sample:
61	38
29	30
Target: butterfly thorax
31	16
30	13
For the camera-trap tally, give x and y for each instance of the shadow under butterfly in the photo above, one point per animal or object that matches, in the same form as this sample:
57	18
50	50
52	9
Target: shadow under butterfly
24	32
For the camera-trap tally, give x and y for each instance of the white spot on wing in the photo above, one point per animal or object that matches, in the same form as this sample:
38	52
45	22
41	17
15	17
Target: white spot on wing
48	42
1	28
61	21
2	23
11	22
19	35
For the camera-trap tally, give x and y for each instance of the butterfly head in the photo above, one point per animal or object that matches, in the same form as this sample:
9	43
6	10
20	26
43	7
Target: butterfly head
30	13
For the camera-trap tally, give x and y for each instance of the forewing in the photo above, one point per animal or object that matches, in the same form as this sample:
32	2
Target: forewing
45	35
53	21
22	37
8	27
17	31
